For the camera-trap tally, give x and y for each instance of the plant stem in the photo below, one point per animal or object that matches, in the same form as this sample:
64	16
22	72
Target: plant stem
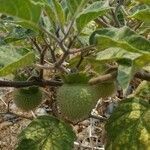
20	84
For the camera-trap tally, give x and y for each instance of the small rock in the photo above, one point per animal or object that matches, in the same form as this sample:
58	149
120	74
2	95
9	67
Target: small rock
41	112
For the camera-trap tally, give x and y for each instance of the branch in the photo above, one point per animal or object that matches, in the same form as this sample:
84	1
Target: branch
112	76
42	56
99	21
62	59
143	75
34	42
61	45
19	84
51	50
51	66
82	49
17	115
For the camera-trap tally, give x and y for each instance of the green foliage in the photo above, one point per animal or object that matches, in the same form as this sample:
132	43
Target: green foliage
142	15
124	38
46	133
17	33
27	98
90	13
143	91
12	59
119	35
73	5
128	127
144	1
27	11
76	101
129	49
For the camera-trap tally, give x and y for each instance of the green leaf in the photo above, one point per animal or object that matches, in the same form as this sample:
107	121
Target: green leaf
125	60
128	62
17	34
142	91
142	15
128	127
27	11
55	12
124	38
144	1
116	54
90	13
124	76
47	133
51	15
73	5
142	61
59	12
13	59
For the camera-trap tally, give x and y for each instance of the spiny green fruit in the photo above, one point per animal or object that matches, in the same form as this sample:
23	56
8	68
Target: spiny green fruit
106	89
76	101
27	98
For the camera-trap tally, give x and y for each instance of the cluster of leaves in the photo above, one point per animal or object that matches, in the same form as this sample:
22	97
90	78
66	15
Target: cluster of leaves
101	32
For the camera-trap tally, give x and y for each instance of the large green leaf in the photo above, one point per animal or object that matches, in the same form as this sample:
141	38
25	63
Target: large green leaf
128	62
116	54
47	133
29	12
129	125
125	60
142	15
90	13
124	38
13	59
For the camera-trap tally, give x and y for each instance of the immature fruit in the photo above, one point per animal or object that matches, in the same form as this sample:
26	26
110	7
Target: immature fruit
76	101
106	89
27	98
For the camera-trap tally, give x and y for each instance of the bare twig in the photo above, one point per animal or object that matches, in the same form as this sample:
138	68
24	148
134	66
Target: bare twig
69	29
87	48
33	41
80	61
101	22
103	78
19	84
51	50
56	39
42	56
112	76
143	75
15	114
45	67
62	59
